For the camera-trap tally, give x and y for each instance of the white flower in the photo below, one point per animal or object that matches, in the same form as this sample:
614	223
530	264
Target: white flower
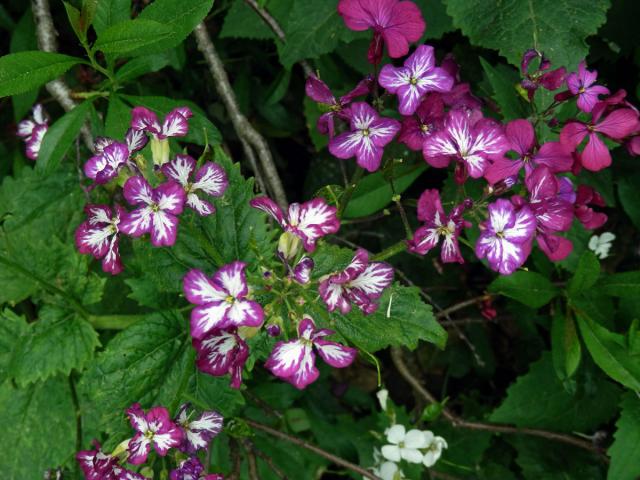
383	396
404	445
600	245
389	471
434	448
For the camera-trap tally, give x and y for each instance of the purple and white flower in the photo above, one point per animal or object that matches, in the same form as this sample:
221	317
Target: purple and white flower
110	156
222	352
154	428
308	221
437	225
210	179
175	124
582	85
360	283
32	131
221	300
198	432
157	210
428	119
418	76
472	142
506	237
294	361
192	469
301	273
97	465
368	135
98	235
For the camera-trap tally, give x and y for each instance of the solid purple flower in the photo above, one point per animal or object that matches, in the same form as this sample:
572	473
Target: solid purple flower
472	142
360	283
522	138
175	123
582	85
506	236
437	226
154	428
222	352
294	361
616	125
418	76
221	300
199	431
428	119
318	91
397	23
308	221
107	162
157	212
33	129
586	196
98	235
550	80
368	135
210	179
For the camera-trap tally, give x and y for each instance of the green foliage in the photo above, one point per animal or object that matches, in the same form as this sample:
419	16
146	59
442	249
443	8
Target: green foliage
111	12
503	80
627	192
241	21
624	285
625	450
514	27
586	275
530	288
24	71
129	35
565	346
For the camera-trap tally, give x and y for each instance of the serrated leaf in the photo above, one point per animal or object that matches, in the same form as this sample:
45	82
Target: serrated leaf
565	346
43	428
111	12
503	80
12	327
374	192
24	71
129	35
625	450
60	137
624	285
514	27
610	351
529	288
57	342
401	320
537	399
586	275
181	17
215	393
438	21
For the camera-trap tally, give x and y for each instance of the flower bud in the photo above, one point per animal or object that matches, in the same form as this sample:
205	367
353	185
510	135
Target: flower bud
160	151
248	332
273	330
289	245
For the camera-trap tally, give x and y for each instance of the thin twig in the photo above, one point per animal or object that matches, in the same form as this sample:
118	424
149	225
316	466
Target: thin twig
275	26
461	305
456	421
312	448
268	460
251	462
242	126
248	152
46	34
235	459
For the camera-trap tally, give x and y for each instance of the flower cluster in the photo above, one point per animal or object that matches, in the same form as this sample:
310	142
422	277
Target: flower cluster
158	198
156	430
32	131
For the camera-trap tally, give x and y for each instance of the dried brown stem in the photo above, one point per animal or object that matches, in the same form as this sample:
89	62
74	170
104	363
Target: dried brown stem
46	34
312	448
456	421
241	125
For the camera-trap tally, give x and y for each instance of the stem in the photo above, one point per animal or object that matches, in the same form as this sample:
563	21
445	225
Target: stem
312	448
388	252
348	193
459	306
114	322
403	215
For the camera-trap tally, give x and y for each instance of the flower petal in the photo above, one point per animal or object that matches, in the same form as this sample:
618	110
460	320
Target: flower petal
200	289
245	313
207	317
176	123
138	447
286	357
164	229
144	119
595	155
269	206
335	354
216	352
211	179
138	191
170	197
137	222
233	279
180	169
375	278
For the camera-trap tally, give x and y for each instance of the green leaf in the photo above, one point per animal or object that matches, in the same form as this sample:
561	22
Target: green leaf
514	27
438	21
586	275
23	38
111	12
143	363
373	192
503	80
565	346
73	14
313	29
12	327
537	399
624	285
628	194
129	35
625	450
401	320
241	21
57	343
198	124
60	137
42	431
118	117
311	115
215	393
610	352
529	288
181	17
140	65
24	71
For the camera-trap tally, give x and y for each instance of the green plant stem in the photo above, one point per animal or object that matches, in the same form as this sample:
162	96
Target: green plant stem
389	252
348	193
114	322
